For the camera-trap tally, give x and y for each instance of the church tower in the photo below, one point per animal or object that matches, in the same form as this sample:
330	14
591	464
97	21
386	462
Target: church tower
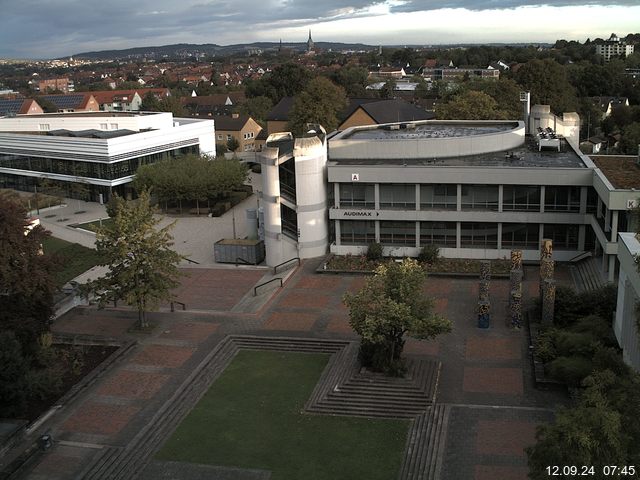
309	43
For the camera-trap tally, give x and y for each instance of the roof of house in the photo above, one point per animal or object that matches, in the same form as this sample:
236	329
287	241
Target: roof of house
14	106
216	99
389	110
622	171
280	111
233	124
604	102
69	100
110	96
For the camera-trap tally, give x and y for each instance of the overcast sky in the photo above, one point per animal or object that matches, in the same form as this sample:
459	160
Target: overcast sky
55	28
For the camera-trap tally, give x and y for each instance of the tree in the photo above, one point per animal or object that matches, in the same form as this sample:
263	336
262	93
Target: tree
13	375
388	90
630	139
257	108
390	305
353	79
320	102
284	81
469	105
143	269
26	280
548	83
233	144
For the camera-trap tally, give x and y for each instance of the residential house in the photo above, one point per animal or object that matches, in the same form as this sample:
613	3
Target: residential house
118	100
372	111
73	102
218	104
19	106
278	117
606	105
241	127
613	47
62	84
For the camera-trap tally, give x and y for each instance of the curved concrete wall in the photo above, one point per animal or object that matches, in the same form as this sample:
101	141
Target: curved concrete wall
271	205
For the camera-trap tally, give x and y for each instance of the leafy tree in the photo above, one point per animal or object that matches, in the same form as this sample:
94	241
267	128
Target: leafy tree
390	305
354	79
548	83
320	102
143	269
26	281
630	139
388	90
284	81
233	144
13	375
469	105
257	108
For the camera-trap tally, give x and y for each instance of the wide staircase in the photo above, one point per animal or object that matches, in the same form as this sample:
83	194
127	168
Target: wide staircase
587	274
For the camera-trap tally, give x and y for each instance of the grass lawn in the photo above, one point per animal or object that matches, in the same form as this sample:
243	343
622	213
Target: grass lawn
74	258
251	417
93	226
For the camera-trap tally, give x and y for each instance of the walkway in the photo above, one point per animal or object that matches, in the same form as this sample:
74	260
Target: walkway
486	382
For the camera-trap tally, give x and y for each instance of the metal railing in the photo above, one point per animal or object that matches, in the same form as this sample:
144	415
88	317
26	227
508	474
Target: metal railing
275	269
184	307
580	256
255	289
191	261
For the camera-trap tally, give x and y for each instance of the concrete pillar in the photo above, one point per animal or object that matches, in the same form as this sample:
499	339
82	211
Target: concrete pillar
499	236
377	231
548	301
338	232
583	200
271	205
500	200
458	234
542	195
582	233
336	195
614	225
376	195
417	196
417	234
459	198
612	268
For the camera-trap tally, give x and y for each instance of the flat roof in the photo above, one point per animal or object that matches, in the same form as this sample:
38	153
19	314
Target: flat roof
433	129
622	171
89	114
527	155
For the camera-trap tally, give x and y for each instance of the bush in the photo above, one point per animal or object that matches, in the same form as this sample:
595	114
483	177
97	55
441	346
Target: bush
545	347
572	343
374	251
571	306
570	370
429	254
598	327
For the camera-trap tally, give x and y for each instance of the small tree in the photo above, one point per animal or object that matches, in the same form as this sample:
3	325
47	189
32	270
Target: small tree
233	144
390	305
143	269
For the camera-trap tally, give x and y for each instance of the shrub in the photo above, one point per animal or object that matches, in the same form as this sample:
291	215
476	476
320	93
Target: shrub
571	343
570	370
597	326
545	347
374	251
429	254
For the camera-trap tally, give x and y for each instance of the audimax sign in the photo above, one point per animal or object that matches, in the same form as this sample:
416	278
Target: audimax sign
359	214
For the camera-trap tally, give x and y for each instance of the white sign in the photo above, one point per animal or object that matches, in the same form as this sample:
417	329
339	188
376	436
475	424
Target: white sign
360	214
632	204
355	177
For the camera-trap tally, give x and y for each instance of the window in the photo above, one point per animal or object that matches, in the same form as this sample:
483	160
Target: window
520	198
219	136
439	197
114	126
565	237
289	220
480	197
398	233
228	137
44	127
479	235
520	235
398	196
357	232
562	199
357	195
442	234
103	126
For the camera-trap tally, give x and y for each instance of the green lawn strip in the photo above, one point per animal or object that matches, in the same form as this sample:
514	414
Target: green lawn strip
74	259
93	226
251	417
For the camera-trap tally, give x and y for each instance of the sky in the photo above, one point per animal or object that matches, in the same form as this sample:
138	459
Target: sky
57	28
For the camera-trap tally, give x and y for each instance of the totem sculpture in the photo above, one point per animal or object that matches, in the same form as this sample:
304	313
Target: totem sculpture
484	304
515	296
547	283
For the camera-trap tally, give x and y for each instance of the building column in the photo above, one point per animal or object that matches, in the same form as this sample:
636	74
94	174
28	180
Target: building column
458	232
612	268
418	234
607	220
417	196
377	230
614	225
582	233
541	234
336	224
500	201
336	195
500	232
583	200
543	192
459	198
376	199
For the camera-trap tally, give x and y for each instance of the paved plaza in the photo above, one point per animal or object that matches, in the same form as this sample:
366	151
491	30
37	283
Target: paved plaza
486	378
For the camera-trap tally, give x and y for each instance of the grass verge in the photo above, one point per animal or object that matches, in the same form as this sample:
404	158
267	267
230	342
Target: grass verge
74	259
252	417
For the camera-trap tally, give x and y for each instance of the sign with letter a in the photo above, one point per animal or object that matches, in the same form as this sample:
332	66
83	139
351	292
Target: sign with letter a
355	177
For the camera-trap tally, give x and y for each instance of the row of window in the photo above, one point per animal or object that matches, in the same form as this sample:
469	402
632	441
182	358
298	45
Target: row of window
472	234
78	168
473	197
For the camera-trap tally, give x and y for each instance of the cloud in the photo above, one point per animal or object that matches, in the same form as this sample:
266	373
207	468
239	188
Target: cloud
51	28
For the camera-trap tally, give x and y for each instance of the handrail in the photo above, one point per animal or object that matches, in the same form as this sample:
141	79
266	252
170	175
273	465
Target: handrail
191	261
255	289
275	269
580	256
243	261
184	307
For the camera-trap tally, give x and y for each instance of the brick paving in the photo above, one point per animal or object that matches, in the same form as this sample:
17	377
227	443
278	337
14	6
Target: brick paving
479	367
133	385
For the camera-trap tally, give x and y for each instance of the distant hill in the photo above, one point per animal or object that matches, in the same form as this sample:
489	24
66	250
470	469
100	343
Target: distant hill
191	50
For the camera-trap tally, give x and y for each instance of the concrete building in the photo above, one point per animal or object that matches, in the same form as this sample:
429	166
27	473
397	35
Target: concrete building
625	324
613	47
241	127
100	150
62	84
